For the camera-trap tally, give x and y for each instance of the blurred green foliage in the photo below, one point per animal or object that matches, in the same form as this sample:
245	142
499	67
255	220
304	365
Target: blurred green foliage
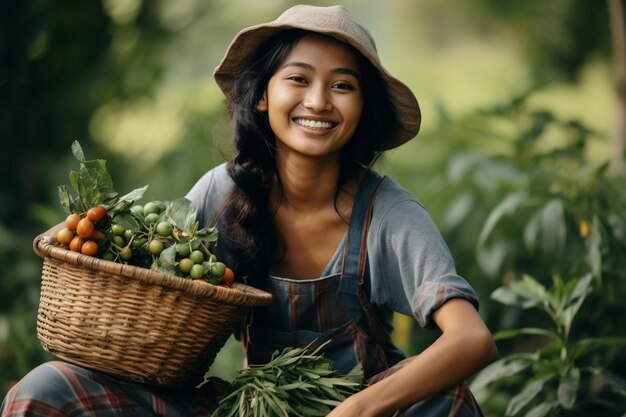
511	185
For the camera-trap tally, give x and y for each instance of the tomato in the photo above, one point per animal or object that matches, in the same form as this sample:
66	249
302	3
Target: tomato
85	228
89	248
197	256
197	271
76	244
164	229
97	235
72	221
65	236
228	277
96	213
156	246
185	265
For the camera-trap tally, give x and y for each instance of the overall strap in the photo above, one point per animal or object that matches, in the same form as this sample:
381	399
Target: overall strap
354	255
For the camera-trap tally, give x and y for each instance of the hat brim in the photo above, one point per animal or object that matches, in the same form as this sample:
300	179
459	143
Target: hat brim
404	102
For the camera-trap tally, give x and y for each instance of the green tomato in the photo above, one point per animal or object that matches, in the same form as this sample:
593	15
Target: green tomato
138	242
118	229
137	210
126	253
151	207
164	229
197	257
156	246
108	256
128	234
152	218
119	241
197	271
185	265
183	249
218	269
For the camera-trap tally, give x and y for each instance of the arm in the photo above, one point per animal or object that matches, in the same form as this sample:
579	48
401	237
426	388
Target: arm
465	346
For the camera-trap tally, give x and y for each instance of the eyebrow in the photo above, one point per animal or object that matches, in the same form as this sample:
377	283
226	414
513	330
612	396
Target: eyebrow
339	70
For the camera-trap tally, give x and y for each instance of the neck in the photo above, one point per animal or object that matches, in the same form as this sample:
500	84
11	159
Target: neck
308	183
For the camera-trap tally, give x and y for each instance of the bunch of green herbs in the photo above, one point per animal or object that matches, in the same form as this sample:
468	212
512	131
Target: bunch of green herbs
295	382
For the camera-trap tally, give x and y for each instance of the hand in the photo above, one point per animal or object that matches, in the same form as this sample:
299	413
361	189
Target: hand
353	406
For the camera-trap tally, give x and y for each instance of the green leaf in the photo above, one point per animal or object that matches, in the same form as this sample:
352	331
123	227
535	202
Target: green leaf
509	296
528	394
594	251
524	293
183	214
64	198
502	368
167	260
568	388
77	150
127	221
458	210
127	200
542	409
546	230
584	346
508	206
575	301
507	334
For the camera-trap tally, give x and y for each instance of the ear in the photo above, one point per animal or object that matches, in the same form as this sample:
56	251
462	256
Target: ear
262	104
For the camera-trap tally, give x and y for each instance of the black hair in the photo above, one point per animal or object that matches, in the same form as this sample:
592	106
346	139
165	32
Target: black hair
249	226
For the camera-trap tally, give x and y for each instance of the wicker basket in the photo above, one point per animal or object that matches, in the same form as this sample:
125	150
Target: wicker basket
132	322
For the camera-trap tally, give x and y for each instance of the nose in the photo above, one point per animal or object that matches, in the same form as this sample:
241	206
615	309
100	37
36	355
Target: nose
317	98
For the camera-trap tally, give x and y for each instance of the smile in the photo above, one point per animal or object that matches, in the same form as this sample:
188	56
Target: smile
314	124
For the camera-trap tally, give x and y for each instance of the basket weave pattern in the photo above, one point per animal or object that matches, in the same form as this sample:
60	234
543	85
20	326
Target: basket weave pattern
135	323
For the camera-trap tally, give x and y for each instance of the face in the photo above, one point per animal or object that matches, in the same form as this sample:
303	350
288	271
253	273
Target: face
314	100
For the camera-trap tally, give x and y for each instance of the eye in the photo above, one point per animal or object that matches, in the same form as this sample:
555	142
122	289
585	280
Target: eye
342	85
297	79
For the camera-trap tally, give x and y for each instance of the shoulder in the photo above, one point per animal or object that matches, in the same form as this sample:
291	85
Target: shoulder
395	205
209	192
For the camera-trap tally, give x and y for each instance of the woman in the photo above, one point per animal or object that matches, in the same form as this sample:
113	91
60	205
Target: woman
302	216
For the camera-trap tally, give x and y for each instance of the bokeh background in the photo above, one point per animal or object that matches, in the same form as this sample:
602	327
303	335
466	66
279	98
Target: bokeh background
519	160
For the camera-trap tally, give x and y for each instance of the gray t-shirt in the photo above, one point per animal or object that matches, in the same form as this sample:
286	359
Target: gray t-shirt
411	269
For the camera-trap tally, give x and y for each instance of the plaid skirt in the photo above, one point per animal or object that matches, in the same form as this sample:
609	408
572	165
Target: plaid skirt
59	389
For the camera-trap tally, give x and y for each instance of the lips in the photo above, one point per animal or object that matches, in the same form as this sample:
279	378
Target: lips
314	124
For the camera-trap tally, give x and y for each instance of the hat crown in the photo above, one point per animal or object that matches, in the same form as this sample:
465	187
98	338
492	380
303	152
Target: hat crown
335	20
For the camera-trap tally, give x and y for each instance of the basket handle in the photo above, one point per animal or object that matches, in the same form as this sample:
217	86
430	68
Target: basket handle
44	242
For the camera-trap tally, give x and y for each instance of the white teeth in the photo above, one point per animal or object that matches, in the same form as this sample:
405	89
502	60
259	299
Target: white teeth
314	124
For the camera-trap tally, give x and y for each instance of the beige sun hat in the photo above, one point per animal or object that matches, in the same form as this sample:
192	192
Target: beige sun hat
335	21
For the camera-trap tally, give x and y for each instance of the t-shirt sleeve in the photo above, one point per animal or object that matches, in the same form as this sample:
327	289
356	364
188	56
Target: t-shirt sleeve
416	272
208	193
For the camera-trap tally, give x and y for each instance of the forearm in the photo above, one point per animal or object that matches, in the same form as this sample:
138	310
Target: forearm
465	346
447	362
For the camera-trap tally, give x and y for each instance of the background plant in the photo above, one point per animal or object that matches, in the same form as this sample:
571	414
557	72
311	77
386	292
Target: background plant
536	205
563	376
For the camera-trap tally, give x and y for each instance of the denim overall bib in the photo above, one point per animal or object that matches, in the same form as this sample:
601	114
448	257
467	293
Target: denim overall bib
333	308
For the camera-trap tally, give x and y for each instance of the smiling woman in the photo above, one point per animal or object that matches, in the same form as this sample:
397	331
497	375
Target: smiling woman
302	215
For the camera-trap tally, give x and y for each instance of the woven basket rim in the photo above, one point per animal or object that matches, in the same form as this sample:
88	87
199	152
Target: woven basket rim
239	294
